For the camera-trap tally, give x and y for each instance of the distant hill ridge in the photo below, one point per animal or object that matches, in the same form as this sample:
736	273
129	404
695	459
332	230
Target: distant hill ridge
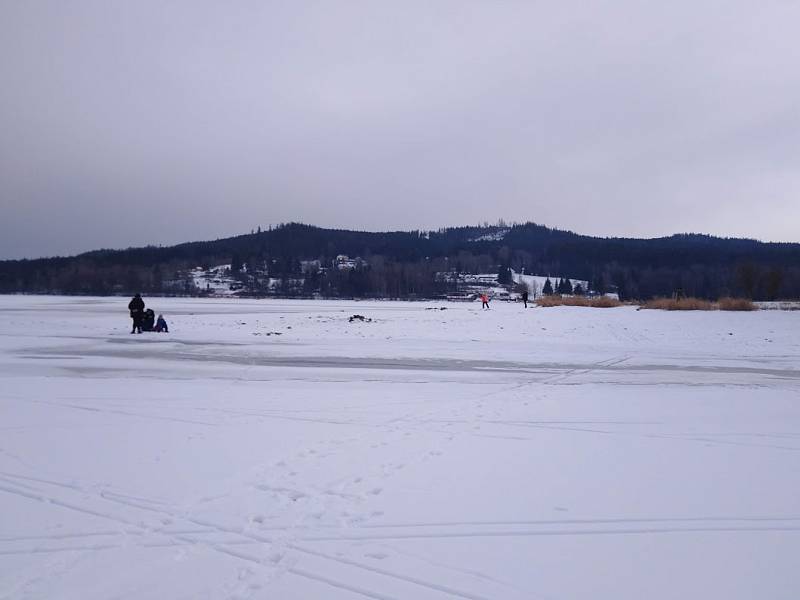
405	263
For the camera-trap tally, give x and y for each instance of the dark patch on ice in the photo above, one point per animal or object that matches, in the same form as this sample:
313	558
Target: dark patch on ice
360	318
416	364
43	357
163	339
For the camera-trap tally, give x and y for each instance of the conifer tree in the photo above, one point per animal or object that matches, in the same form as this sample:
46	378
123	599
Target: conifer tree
547	290
236	263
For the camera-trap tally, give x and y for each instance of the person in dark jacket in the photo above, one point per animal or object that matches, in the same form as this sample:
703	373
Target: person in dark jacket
136	306
525	298
149	320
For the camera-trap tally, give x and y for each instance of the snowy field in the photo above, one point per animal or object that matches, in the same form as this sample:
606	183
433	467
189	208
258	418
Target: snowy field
275	450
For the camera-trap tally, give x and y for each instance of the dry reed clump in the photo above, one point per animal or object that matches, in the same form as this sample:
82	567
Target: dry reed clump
598	302
699	304
678	304
736	304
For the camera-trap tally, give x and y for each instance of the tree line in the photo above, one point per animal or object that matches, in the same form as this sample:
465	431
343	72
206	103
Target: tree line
409	264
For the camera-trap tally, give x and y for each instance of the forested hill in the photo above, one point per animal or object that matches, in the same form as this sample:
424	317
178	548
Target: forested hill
296	259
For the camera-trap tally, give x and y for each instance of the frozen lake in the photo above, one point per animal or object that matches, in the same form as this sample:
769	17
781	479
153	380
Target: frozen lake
276	450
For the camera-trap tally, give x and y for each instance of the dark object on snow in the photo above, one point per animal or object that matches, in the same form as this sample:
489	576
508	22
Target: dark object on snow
149	320
361	318
161	325
525	298
136	306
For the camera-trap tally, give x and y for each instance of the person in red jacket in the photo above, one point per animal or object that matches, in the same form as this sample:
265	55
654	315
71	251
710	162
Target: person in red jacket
485	300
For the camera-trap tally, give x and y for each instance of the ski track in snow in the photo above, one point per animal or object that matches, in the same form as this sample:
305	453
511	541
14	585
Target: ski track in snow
398	458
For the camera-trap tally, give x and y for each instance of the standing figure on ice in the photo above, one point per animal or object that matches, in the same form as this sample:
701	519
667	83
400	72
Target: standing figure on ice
525	298
485	301
136	306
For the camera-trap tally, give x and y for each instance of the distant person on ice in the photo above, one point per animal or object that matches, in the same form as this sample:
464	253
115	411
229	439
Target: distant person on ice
525	298
161	325
136	306
485	300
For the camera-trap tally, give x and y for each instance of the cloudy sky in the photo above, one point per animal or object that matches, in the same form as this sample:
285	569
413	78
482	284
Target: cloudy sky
132	123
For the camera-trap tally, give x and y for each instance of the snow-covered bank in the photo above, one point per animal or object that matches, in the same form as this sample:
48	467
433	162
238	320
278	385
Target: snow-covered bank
273	449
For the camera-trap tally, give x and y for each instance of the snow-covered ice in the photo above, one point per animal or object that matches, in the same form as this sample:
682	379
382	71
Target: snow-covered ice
275	450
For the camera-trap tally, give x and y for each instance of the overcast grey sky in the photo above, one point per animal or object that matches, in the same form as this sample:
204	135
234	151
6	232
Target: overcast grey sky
128	123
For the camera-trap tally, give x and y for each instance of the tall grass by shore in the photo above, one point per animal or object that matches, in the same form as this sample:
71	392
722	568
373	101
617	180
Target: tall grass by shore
742	304
597	302
738	304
